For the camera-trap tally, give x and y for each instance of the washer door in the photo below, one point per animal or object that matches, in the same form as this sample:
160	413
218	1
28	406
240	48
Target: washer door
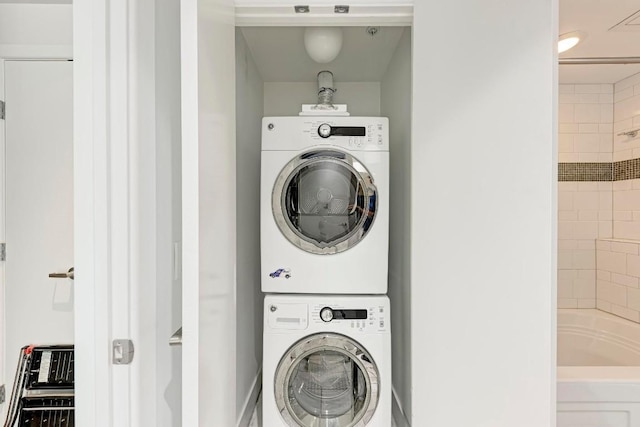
324	201
327	380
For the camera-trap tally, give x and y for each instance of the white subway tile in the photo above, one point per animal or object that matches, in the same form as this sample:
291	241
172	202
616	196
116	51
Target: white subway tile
605	157
565	259
586	303
589	128
622	215
565	88
622	185
603	305
586	200
584	260
573	127
567	186
567	244
624	280
612	262
603	245
567	98
586	244
585	230
633	299
606	128
624	247
625	200
633	265
565	200
568	157
613	293
605	186
567	275
603	275
588	215
605	229
627	230
566	114
622	155
584	288
606	98
566	229
625	312
606	88
588	186
587	88
567	303
565	289
605	200
623	94
636	216
583	113
588	157
565	143
620	125
606	113
605	215
627	82
567	216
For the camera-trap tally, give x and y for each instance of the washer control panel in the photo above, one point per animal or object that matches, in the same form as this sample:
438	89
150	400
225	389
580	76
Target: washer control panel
364	319
368	134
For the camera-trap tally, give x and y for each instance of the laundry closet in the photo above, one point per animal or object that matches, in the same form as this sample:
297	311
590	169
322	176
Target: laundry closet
245	63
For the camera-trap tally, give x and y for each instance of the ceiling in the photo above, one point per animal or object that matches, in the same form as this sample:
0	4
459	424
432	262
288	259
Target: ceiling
280	55
608	35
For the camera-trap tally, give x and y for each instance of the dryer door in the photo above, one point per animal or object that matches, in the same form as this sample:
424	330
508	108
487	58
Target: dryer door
324	201
327	380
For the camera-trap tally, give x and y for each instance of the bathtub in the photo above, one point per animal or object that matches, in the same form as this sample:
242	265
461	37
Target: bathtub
598	370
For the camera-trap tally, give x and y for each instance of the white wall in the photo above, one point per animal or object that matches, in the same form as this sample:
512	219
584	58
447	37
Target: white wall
483	245
286	99
249	102
395	103
29	29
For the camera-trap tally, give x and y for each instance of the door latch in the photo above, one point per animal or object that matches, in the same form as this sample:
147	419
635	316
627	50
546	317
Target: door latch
122	352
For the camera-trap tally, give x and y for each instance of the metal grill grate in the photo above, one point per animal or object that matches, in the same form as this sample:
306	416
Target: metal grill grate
47	412
51	368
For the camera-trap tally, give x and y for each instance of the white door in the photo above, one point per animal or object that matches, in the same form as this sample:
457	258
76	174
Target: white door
38	206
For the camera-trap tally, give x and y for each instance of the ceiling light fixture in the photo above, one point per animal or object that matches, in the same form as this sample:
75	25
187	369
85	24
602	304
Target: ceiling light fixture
323	44
570	40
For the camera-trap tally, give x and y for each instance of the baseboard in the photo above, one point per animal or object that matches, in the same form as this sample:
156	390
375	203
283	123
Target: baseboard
251	401
397	412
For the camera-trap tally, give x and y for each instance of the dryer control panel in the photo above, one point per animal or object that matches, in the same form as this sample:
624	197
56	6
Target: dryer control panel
301	133
363	319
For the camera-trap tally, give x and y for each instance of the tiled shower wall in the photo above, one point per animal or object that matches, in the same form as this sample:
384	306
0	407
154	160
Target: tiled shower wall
618	260
585	214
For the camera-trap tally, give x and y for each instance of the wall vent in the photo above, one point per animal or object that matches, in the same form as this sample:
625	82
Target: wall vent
631	23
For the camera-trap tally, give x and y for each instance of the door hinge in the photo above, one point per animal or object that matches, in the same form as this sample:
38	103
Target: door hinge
2	109
122	352
3	394
3	251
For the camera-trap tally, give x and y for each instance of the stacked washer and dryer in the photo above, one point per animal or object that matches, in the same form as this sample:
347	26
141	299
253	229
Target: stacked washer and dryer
324	261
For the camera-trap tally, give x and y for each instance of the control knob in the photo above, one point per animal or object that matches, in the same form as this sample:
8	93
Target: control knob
326	314
324	130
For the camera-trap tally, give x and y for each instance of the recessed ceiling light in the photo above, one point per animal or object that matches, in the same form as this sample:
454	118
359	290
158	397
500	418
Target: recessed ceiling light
569	40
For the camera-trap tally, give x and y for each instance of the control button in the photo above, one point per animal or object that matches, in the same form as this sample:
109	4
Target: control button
326	314
353	324
324	130
381	309
382	323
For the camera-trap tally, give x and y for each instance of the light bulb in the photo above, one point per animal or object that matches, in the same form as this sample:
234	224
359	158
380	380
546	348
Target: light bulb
323	44
569	40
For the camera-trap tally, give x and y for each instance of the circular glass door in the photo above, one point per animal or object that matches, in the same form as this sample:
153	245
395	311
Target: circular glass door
326	380
324	201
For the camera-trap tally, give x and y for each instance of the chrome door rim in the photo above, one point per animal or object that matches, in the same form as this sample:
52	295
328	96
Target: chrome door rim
284	178
333	342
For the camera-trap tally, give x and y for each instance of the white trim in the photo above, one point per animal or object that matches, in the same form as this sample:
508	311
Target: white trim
33	51
3	322
251	402
323	15
399	416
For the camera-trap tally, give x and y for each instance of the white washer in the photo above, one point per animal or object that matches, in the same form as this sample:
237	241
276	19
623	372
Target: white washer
325	205
326	361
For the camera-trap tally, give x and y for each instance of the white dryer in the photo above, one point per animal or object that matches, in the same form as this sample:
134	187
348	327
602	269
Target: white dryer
326	361
325	205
